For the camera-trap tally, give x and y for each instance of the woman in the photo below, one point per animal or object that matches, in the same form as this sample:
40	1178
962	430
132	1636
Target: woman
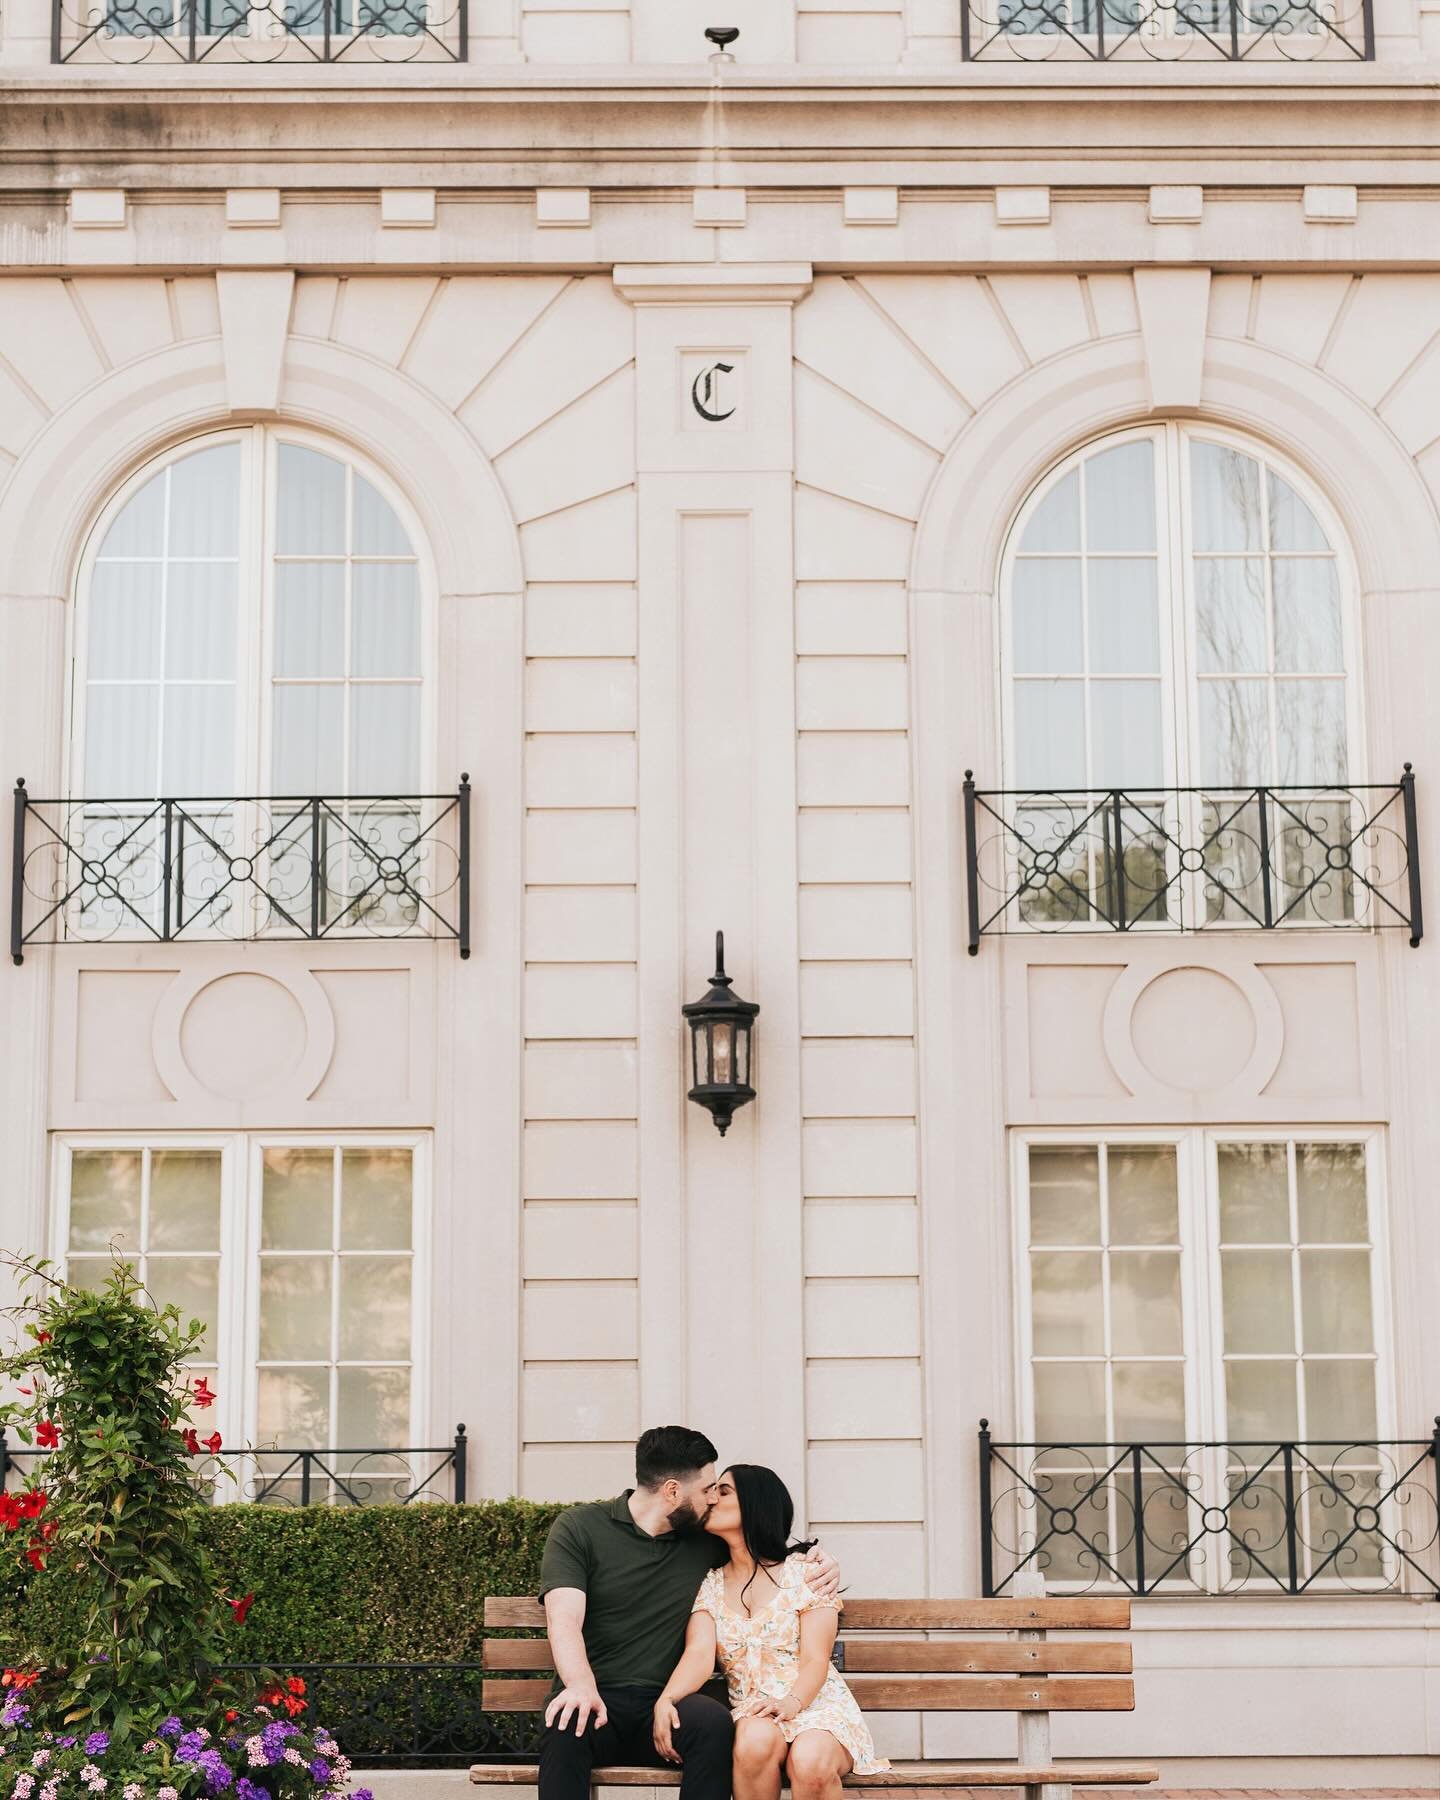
792	1709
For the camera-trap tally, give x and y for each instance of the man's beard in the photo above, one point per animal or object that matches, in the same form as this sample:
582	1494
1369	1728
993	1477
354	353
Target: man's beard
685	1521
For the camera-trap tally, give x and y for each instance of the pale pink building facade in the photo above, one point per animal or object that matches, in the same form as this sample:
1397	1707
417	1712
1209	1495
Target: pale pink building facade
717	461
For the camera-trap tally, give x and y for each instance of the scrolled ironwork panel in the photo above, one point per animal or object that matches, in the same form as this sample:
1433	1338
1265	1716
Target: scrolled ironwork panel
242	868
1214	1518
1168	30
160	32
1192	859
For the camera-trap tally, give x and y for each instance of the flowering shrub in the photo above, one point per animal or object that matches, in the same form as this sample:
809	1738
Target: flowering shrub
255	1754
129	1700
102	1381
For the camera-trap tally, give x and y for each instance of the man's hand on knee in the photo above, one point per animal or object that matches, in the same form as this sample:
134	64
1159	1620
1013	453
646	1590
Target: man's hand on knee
584	1704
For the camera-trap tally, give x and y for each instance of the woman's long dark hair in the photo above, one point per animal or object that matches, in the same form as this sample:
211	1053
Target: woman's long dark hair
766	1515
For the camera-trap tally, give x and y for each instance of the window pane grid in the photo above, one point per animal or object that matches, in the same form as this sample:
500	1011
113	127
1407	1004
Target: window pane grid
1071	1476
84	1257
1314	1196
1254	693
322	1378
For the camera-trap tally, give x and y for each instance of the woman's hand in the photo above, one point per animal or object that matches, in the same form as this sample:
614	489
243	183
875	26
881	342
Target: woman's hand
665	1722
786	1707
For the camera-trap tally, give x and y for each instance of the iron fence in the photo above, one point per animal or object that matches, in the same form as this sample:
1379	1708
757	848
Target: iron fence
166	870
410	1715
277	1476
1212	1518
1140	31
1191	859
258	31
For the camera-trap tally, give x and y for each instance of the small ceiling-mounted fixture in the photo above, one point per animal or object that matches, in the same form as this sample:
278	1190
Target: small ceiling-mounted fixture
720	1027
722	37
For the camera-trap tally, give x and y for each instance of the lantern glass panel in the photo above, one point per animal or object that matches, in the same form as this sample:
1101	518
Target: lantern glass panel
722	1045
697	1033
742	1059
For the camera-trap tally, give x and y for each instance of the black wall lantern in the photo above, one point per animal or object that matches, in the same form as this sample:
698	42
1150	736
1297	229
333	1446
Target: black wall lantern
720	1026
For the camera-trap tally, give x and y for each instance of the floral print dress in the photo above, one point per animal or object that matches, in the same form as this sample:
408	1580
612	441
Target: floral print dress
761	1658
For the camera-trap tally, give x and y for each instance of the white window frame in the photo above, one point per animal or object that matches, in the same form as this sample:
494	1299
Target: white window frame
1200	1284
1175	576
238	1322
255	649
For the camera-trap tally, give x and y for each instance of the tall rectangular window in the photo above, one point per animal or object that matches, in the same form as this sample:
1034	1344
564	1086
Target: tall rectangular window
300	1257
1193	1302
336	1344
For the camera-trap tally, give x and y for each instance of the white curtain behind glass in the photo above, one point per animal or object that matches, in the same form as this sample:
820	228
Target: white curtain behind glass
346	670
1095	597
1270	662
163	636
175	613
1085	603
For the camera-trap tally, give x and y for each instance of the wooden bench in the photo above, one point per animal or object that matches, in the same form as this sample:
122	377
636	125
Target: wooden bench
1024	1673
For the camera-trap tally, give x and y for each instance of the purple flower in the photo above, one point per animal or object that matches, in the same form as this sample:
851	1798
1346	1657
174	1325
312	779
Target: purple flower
189	1747
320	1771
246	1789
66	1743
217	1771
170	1727
97	1743
362	1794
16	1713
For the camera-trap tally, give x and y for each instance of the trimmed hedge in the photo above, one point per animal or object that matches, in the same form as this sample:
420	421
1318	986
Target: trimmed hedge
348	1584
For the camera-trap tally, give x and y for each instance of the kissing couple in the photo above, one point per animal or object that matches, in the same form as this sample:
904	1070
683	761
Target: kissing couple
647	1594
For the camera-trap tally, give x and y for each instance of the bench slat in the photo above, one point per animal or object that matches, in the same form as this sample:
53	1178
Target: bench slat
898	1656
892	1656
879	1693
905	1779
506	1611
1085	1612
1081	1612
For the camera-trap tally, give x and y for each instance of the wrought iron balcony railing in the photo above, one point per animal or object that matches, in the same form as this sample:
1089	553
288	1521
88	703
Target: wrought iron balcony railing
1140	31
162	32
393	866
277	1476
1213	1518
1192	859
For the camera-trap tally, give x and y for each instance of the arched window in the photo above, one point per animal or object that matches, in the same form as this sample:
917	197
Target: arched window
1177	618
250	621
249	718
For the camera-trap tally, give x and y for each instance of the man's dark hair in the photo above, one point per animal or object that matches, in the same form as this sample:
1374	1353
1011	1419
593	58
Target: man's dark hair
670	1452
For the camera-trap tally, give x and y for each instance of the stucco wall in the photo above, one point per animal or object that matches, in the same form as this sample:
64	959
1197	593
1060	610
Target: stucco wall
732	679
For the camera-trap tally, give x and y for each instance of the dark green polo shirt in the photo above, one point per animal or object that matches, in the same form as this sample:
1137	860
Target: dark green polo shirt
639	1590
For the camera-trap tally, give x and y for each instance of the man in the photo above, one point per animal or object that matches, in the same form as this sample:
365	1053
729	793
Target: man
619	1580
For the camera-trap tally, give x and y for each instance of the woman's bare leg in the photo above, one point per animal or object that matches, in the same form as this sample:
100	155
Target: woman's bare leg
759	1754
816	1762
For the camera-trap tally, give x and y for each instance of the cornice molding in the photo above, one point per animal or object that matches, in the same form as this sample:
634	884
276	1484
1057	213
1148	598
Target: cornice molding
701	284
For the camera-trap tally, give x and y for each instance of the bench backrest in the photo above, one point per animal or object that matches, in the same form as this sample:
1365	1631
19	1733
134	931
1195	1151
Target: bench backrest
910	1672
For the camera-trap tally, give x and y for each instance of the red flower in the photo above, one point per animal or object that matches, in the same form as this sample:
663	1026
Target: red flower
231	1715
192	1443
201	1394
42	1337
47	1434
19	1679
293	1706
26	1391
212	1443
35	1555
295	1685
9	1511
33	1502
241	1608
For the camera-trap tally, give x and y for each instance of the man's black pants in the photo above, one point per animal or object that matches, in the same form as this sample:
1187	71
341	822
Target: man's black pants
703	1742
